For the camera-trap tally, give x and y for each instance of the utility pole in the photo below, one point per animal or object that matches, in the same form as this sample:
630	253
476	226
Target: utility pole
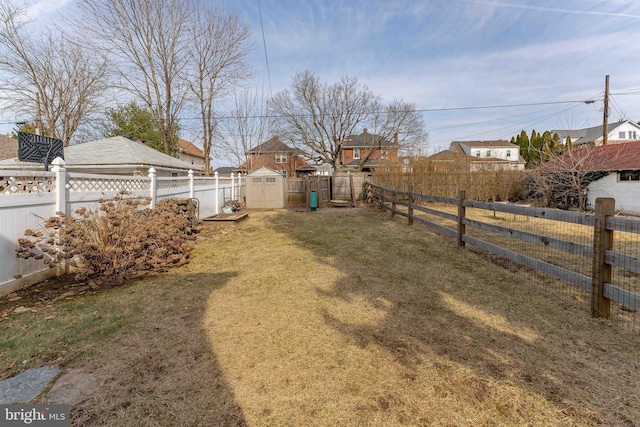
605	126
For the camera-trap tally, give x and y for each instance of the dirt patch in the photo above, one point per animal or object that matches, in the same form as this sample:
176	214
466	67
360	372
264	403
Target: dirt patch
46	294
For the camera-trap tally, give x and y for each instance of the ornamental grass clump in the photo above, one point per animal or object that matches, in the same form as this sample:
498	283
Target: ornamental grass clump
119	240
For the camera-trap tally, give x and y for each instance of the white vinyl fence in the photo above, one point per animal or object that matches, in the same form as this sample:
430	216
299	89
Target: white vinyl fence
29	197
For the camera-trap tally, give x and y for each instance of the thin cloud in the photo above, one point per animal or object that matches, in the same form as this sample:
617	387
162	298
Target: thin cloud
555	10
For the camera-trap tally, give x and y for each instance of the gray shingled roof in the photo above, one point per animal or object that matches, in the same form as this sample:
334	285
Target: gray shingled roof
274	145
487	144
366	140
588	135
8	147
116	151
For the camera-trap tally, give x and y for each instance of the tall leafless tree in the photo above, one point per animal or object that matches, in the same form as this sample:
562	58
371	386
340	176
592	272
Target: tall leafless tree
148	41
318	117
218	52
247	125
562	181
46	77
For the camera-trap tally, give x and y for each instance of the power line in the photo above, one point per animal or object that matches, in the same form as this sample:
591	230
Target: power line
521	125
264	43
417	110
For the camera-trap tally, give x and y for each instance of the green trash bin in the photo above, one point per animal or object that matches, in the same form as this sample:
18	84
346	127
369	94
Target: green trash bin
313	200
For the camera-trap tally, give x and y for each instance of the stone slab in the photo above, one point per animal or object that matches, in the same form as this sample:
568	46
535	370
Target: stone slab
72	387
27	385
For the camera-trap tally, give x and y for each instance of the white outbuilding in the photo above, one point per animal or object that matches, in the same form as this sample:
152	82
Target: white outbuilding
266	189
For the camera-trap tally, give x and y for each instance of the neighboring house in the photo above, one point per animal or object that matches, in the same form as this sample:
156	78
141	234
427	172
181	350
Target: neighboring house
8	147
620	165
274	154
366	151
618	132
114	156
477	156
187	152
324	169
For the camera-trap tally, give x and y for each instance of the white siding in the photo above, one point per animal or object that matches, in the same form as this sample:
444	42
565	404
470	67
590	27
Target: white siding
626	193
628	129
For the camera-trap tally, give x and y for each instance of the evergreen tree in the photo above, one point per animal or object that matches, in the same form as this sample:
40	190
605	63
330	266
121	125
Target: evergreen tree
136	123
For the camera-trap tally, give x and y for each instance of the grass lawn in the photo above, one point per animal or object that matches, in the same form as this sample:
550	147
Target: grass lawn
334	319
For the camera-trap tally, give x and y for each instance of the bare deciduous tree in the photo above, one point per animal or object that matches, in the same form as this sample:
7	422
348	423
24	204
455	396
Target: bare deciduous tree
47	76
318	117
217	64
563	180
247	125
148	41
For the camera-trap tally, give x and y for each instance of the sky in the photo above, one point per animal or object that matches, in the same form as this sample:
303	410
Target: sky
468	65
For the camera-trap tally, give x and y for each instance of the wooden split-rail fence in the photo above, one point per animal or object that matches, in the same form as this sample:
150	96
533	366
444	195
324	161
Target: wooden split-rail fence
600	254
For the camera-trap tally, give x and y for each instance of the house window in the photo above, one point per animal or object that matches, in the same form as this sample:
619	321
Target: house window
632	134
508	153
385	154
356	153
281	158
478	153
271	180
621	135
488	153
256	180
629	176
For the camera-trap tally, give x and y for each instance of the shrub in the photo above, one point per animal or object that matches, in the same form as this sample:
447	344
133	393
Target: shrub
119	240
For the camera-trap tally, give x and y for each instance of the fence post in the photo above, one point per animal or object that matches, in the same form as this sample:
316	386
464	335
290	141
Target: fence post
410	205
461	214
217	196
233	187
601	272
61	184
239	195
393	203
191	185
153	187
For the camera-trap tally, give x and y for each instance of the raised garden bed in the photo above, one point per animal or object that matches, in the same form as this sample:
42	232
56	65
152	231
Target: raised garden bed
227	217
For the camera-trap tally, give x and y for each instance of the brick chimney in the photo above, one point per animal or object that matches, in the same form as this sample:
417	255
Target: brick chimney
364	131
395	138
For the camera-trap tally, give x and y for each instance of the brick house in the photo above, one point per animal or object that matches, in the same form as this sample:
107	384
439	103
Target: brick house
274	154
366	151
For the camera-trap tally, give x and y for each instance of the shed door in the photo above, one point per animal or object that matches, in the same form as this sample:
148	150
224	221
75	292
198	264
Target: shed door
270	192
257	193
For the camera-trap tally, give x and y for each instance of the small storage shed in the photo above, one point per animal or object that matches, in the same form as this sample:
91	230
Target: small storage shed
266	189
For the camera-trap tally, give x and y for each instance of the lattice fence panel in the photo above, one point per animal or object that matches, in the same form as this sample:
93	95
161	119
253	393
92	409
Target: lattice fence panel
107	184
27	184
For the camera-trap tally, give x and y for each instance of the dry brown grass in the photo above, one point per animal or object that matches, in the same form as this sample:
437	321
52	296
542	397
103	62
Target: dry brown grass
316	319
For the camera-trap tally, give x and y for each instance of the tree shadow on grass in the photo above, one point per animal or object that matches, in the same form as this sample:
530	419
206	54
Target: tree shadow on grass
160	369
459	310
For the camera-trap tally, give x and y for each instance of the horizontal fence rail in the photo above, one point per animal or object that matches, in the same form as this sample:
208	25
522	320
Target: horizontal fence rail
599	252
